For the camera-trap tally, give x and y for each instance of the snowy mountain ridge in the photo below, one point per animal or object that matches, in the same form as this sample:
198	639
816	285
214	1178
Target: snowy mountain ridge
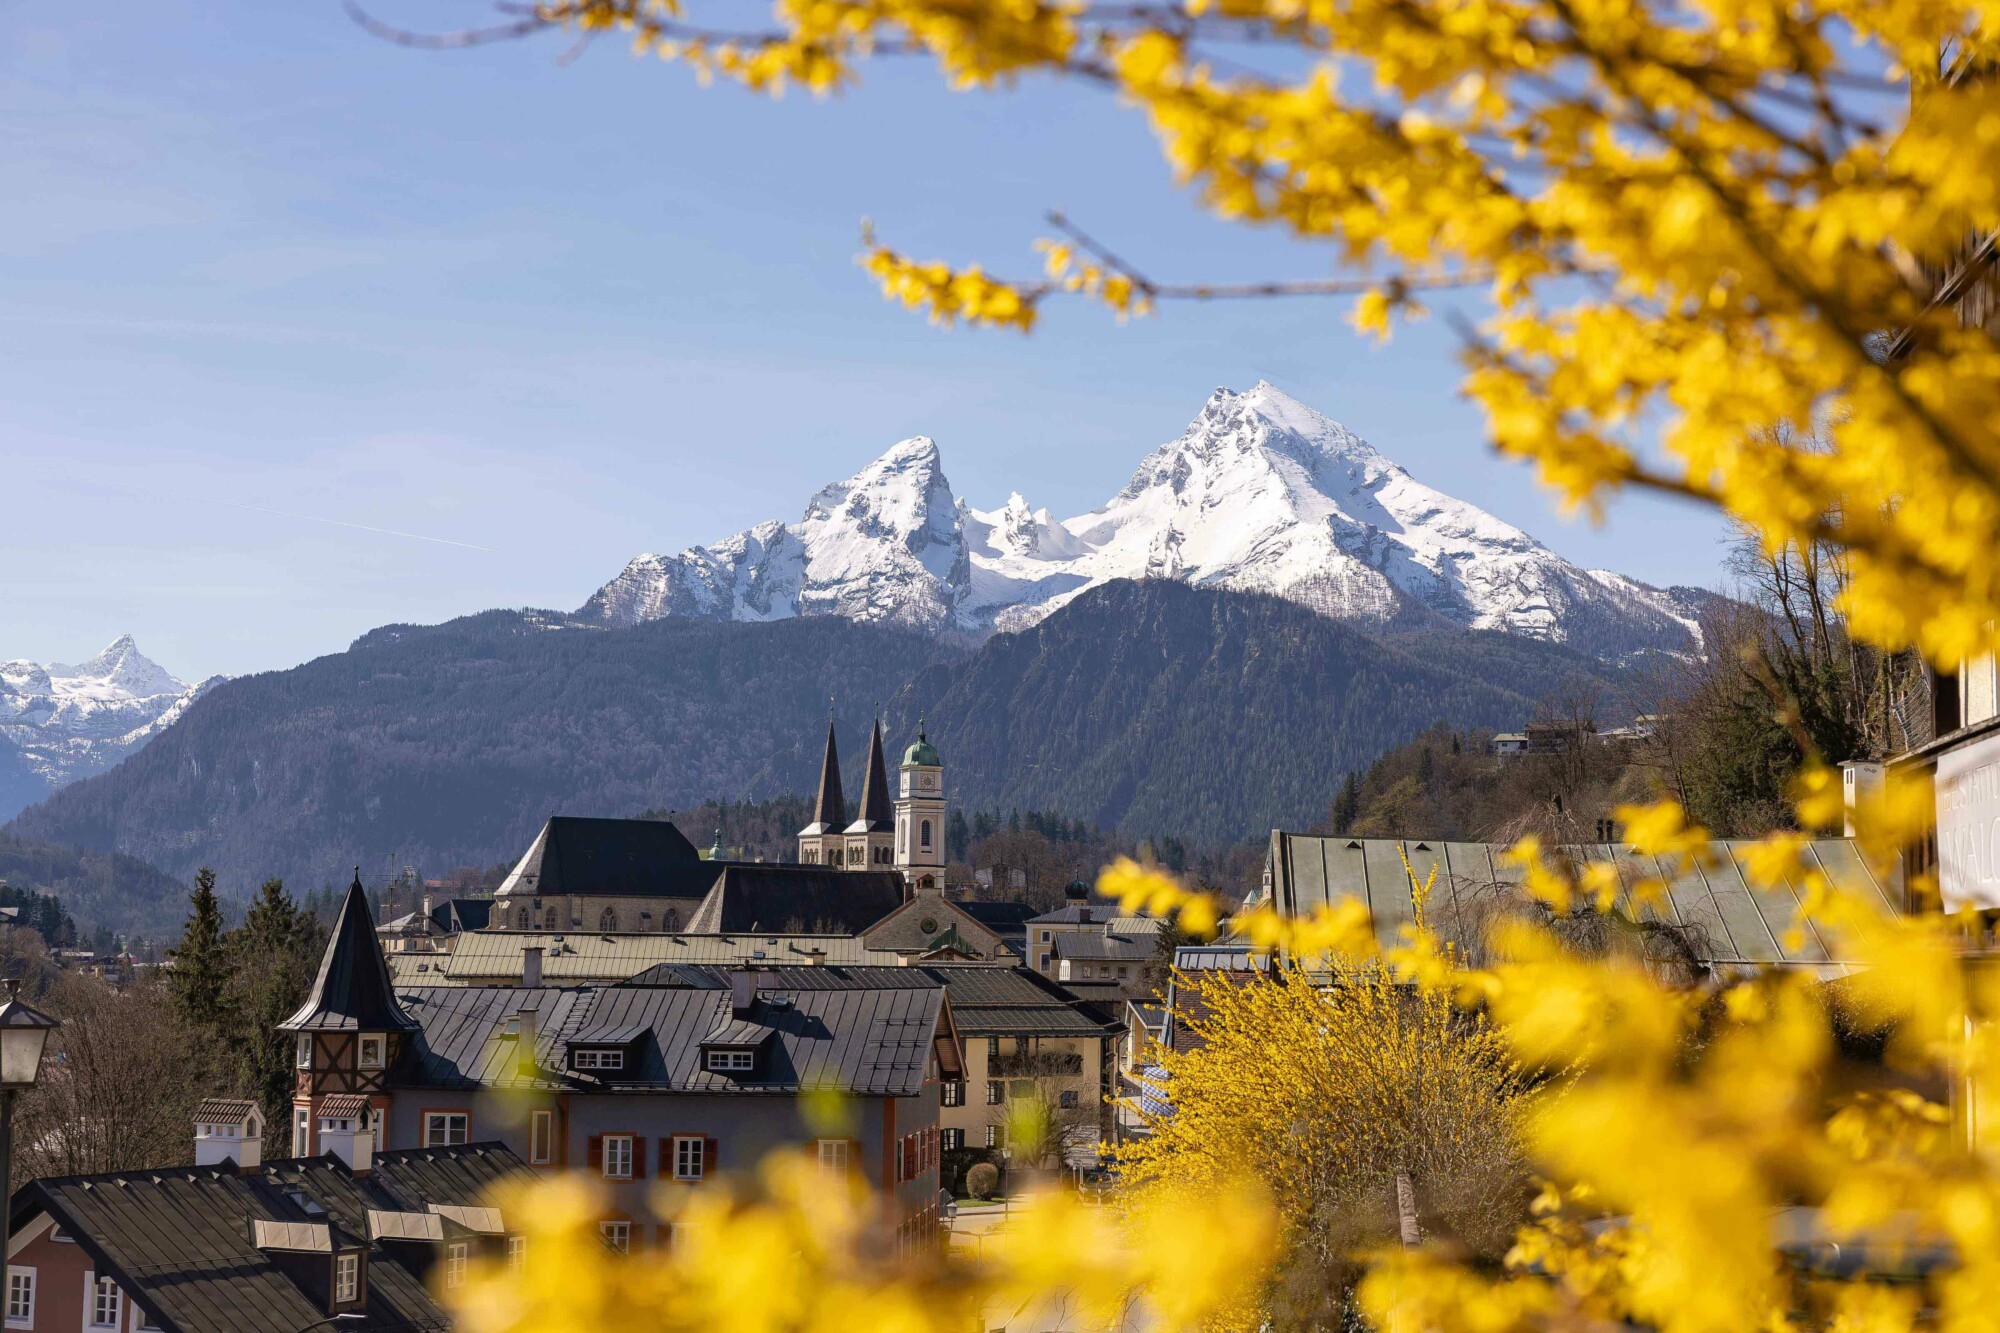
1260	493
68	721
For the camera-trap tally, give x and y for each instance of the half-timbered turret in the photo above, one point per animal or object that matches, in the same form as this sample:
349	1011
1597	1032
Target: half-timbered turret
350	1030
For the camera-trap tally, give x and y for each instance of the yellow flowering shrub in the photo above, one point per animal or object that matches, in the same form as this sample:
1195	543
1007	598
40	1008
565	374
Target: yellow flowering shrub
1323	1088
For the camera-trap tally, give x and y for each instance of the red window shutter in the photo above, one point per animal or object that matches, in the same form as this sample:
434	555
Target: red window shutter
854	1164
710	1152
666	1157
638	1157
596	1151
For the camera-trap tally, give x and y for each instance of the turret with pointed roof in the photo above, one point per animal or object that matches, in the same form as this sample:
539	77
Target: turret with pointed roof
353	991
874	816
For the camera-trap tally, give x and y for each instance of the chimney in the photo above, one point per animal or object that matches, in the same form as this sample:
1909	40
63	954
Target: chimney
1860	780
348	1132
229	1129
815	956
526	1033
531	967
427	907
742	991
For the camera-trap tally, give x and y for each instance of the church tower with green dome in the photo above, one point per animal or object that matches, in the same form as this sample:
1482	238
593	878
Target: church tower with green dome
920	816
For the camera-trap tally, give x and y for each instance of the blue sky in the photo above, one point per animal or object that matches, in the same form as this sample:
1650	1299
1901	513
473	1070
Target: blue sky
254	260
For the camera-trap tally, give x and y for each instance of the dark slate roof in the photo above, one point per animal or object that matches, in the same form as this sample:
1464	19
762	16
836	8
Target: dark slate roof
629	858
1090	946
830	810
1077	914
456	914
874	815
780	898
861	1030
998	1001
178	1239
353	991
999	917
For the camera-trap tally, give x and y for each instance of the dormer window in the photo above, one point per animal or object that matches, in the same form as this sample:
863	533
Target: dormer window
724	1061
347	1278
374	1048
600	1060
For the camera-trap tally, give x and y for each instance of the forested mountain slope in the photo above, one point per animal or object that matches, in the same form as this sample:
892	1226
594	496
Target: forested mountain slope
1155	708
449	745
1211	715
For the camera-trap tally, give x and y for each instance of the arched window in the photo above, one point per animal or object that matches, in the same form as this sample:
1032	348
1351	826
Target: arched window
521	919
608	919
924	835
671	921
549	919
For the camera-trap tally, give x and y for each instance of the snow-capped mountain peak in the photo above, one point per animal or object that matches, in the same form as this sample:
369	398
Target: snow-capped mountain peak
71	720
123	669
1260	492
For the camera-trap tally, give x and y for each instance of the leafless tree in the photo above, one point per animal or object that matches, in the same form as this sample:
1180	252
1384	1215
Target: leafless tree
114	1092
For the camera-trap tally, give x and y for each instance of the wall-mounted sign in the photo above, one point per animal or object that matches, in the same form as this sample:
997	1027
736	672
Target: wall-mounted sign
1968	815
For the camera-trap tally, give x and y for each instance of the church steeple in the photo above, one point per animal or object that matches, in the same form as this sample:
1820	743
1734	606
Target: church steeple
820	842
830	811
874	816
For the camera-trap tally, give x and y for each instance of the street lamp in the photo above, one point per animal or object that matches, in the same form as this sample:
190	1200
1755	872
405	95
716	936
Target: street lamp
24	1031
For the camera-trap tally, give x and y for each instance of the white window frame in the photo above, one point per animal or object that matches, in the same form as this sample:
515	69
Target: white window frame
346	1278
614	1146
993	1137
517	1254
835	1157
954	1092
301	1131
597	1060
381	1048
141	1320
457	1255
541	1138
690	1157
731	1062
97	1291
25	1275
434	1119
617	1236
952	1139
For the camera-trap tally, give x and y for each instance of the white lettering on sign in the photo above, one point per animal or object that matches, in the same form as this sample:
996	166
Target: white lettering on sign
1968	815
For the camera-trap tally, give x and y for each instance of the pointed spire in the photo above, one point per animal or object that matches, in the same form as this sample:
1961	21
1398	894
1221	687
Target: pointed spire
874	816
353	991
830	810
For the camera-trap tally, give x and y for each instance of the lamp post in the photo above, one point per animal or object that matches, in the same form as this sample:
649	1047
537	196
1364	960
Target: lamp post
24	1031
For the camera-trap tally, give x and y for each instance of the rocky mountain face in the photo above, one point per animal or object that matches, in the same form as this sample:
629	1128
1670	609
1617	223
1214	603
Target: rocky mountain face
1259	494
60	722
